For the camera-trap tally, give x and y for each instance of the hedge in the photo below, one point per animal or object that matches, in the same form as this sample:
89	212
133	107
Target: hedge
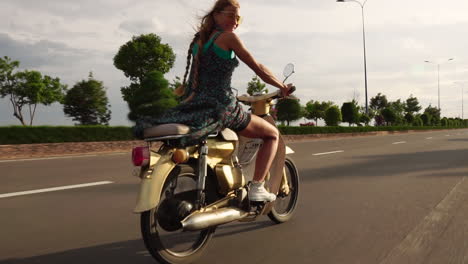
57	134
358	129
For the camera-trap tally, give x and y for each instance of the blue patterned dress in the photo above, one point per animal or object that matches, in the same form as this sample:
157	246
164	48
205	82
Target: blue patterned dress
213	107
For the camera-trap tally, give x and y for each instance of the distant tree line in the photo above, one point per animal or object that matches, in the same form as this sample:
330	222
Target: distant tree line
381	111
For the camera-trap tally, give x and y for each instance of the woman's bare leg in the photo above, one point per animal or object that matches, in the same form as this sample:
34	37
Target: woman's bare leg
259	128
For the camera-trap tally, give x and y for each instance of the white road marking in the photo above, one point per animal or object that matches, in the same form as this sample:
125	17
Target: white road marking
54	189
63	157
429	138
419	243
400	142
328	153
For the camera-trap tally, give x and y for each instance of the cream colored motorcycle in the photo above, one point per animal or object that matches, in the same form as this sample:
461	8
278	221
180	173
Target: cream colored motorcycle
185	193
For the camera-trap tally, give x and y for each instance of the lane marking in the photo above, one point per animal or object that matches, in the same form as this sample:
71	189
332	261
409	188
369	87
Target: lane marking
64	157
429	138
419	243
328	153
400	142
55	189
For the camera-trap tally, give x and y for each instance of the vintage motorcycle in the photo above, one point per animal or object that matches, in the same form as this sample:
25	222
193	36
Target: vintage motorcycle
185	193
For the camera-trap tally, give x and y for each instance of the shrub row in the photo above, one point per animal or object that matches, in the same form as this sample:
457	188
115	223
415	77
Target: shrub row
57	134
358	129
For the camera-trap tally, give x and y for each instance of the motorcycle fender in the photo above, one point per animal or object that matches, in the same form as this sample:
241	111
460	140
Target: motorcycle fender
151	187
289	150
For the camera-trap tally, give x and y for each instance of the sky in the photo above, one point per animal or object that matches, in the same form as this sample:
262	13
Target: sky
322	38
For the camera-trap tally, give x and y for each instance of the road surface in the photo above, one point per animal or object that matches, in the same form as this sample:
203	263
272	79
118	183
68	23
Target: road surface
384	199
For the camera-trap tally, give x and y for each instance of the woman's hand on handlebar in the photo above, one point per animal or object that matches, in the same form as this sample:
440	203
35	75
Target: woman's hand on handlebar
286	90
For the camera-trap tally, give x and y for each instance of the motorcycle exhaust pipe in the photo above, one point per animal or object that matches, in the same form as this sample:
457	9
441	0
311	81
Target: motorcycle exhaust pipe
202	220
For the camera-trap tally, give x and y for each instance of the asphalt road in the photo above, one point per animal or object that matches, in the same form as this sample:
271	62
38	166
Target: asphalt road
383	199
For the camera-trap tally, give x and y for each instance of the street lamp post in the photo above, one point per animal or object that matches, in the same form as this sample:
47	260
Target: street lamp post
462	90
364	45
438	79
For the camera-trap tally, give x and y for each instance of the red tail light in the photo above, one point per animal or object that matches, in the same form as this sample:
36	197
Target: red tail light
140	156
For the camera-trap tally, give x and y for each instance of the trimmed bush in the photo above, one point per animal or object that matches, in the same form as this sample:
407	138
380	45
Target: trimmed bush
444	122
333	116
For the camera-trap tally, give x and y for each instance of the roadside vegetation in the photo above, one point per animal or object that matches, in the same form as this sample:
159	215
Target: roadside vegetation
144	60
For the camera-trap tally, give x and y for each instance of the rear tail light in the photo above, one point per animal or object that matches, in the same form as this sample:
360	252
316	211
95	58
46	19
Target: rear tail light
140	156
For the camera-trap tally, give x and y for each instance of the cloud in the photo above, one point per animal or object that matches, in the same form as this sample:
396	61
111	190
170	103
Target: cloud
142	26
70	9
41	53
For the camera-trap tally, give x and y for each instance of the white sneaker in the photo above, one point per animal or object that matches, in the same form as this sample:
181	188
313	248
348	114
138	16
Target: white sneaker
258	193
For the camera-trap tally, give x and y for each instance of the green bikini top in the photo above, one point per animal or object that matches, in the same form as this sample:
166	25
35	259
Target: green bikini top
225	54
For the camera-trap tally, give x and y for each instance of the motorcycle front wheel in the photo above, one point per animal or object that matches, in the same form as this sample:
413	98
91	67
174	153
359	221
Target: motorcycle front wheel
161	228
285	204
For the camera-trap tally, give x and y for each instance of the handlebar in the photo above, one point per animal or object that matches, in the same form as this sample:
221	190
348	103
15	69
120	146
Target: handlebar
255	98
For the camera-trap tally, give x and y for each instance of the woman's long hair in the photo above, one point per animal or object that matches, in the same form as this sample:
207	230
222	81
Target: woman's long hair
205	29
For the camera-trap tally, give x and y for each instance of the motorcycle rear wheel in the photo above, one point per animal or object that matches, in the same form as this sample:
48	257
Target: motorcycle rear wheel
169	245
284	205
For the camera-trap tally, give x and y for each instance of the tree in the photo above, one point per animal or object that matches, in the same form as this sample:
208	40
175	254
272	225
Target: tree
288	110
138	58
255	86
409	118
444	121
364	118
333	116
379	102
426	119
315	110
27	88
398	108
350	112
87	103
311	110
389	115
418	121
434	112
379	120
412	105
153	98
143	54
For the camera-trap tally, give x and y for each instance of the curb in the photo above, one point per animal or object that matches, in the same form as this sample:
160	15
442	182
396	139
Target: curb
25	151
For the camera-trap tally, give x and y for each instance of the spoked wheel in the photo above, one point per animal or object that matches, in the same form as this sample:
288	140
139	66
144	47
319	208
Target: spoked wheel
285	203
161	228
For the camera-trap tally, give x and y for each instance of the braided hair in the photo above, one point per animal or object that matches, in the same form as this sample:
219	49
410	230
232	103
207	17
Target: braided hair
206	28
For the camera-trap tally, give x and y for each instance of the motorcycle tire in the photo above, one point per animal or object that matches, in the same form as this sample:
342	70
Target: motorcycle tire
154	239
284	206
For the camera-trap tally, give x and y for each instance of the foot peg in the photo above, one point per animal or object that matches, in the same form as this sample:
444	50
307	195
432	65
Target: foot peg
256	207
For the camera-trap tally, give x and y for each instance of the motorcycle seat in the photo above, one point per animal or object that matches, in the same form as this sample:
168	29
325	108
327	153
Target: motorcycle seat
166	130
174	131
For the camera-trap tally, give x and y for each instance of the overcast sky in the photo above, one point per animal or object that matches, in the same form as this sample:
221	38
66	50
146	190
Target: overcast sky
323	38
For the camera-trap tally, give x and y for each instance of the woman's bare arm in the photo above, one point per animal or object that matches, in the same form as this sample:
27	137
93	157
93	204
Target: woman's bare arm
233	42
